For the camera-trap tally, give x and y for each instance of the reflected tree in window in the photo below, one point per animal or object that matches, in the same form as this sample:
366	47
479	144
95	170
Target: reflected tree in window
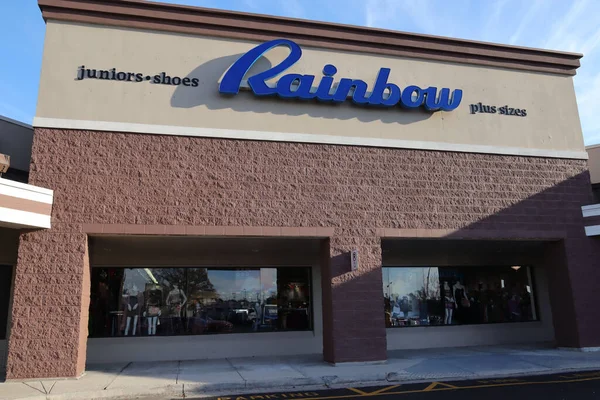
471	295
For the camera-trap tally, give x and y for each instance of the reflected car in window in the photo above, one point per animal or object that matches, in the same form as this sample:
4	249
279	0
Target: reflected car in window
209	325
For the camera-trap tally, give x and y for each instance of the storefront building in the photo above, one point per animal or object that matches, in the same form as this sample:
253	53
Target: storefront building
230	185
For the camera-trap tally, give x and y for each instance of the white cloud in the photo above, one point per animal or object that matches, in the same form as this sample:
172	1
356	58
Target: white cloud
420	14
561	33
15	113
395	14
527	20
588	98
251	4
377	12
579	31
493	22
293	8
591	43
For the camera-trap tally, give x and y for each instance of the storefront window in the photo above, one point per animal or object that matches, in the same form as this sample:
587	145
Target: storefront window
196	301
457	295
5	284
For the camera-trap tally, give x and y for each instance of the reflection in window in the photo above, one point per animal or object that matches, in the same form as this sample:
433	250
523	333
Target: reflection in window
457	295
195	301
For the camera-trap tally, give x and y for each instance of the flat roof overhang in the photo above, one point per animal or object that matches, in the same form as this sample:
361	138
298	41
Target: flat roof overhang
155	16
24	206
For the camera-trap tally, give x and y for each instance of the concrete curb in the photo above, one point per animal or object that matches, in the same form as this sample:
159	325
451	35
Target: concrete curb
320	383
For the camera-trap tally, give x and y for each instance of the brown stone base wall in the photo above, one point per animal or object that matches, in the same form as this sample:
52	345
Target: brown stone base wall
114	178
48	301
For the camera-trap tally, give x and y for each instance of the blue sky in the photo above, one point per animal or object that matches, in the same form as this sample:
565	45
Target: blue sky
570	25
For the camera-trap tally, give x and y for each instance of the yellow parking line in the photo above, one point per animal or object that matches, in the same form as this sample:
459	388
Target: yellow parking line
384	389
360	393
433	385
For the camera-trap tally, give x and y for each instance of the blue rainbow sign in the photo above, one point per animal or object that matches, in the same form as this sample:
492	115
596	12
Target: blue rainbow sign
305	87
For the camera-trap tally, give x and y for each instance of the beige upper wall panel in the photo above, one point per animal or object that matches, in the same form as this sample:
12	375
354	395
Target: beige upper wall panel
594	163
551	127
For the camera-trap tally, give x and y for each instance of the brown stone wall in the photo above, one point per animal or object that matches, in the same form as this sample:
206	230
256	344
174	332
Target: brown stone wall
113	178
47	305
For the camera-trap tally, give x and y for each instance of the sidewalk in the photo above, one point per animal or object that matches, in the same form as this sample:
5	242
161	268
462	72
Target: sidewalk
211	377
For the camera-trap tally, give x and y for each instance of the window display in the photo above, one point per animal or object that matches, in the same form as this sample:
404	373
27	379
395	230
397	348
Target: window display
417	296
195	301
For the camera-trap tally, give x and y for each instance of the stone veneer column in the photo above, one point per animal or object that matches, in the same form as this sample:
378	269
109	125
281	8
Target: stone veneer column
574	276
50	306
353	305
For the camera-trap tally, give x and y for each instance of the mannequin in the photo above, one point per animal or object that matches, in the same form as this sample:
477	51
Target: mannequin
132	309
176	300
446	288
513	306
462	303
450	304
295	292
153	304
460	293
483	302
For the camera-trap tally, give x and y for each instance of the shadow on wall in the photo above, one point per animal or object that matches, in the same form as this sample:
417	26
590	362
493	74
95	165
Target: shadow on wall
207	94
553	217
508	228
